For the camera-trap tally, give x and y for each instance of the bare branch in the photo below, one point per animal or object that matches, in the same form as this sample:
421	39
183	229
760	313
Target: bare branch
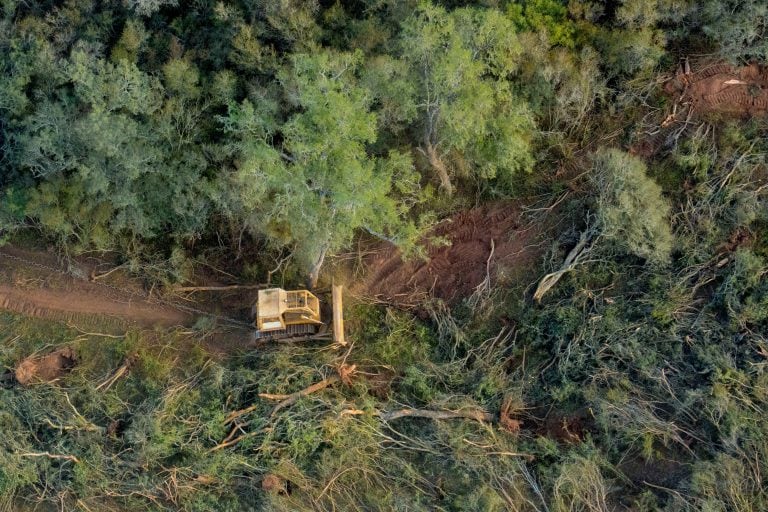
70	458
470	414
574	258
293	397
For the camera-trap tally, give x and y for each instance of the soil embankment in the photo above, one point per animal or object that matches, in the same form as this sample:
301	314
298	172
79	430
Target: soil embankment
479	243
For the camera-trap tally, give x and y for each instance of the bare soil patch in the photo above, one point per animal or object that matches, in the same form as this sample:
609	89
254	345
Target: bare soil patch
29	286
273	484
704	88
36	283
71	304
46	368
568	429
481	242
664	472
722	88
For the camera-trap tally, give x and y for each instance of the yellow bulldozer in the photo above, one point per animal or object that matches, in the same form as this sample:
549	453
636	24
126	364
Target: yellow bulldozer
284	315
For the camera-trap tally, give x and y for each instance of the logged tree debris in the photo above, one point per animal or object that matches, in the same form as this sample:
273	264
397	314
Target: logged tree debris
46	368
120	372
549	216
70	458
274	484
574	258
470	414
288	400
506	421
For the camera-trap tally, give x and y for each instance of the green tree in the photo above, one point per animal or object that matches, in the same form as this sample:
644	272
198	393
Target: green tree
631	209
131	42
469	119
550	16
738	27
149	7
314	188
115	163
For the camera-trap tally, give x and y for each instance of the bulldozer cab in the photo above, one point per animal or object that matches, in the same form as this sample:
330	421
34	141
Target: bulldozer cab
278	309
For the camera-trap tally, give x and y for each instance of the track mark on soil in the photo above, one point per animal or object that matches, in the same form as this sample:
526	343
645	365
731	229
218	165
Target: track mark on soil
32	286
454	271
706	88
66	305
722	88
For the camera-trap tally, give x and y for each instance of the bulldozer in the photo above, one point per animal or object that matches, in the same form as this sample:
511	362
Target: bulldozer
296	315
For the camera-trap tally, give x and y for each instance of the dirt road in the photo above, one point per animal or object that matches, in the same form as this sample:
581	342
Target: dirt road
34	284
480	247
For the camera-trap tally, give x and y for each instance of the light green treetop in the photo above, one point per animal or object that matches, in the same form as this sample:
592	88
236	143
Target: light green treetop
316	187
471	122
631	209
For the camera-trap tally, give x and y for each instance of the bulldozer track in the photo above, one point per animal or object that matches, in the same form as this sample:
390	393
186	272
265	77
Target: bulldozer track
30	309
482	240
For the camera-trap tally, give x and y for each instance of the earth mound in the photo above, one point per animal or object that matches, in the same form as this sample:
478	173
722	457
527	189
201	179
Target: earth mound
480	242
47	368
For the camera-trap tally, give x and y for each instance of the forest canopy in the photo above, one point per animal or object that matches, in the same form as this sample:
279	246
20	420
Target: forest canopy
143	126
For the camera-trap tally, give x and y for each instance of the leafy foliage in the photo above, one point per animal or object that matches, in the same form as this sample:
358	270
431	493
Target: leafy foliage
169	132
631	209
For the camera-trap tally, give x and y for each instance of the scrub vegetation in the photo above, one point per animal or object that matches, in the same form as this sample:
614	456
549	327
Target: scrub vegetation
622	366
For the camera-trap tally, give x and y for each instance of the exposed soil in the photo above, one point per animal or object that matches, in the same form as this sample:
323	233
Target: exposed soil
380	384
703	88
70	304
658	472
47	368
29	286
273	484
722	88
567	428
471	249
482	242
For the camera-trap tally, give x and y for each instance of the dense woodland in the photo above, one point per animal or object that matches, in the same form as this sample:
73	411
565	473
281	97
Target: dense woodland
174	133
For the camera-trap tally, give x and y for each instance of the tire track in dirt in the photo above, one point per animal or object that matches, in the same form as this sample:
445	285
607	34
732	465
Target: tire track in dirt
702	88
32	285
77	306
722	88
481	242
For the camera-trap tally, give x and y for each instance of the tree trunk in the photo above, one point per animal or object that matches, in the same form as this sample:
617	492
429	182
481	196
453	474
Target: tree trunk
314	272
442	172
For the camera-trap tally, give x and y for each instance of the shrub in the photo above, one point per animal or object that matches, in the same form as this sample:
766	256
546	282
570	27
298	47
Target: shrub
631	209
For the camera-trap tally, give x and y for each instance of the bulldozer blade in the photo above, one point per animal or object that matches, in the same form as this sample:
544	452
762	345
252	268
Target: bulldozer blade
338	315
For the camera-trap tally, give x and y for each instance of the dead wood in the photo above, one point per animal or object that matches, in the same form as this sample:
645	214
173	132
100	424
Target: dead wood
506	421
231	440
574	257
236	414
501	453
269	396
439	166
346	372
117	374
294	397
94	276
70	458
274	484
470	414
47	368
